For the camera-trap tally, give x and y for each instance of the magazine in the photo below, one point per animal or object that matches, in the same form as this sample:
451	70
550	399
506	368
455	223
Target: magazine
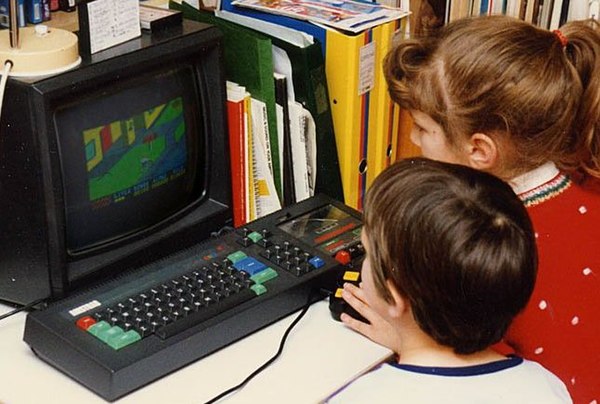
346	15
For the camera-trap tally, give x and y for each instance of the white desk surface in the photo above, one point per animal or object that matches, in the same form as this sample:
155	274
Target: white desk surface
320	355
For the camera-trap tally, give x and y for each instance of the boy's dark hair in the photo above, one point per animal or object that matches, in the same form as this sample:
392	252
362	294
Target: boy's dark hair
458	245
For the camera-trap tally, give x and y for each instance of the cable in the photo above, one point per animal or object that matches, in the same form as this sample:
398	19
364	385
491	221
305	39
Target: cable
270	361
7	66
25	307
221	231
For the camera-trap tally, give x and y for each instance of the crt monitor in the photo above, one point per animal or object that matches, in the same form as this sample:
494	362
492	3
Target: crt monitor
118	162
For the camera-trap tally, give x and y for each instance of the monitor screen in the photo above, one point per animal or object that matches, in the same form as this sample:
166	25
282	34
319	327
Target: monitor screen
130	156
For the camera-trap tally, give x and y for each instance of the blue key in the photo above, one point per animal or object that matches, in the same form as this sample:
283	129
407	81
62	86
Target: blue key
249	265
316	262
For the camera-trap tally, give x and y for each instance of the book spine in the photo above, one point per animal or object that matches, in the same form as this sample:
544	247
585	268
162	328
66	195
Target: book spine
236	123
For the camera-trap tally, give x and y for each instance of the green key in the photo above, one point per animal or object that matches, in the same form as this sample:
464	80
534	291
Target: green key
259	289
255	236
265	275
236	256
112	332
122	340
99	327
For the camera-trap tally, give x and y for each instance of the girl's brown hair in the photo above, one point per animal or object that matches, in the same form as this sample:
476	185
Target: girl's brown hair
511	80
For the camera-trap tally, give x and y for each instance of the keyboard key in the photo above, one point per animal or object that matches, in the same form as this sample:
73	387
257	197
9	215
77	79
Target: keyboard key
122	340
265	275
99	327
316	262
249	265
85	322
255	236
204	314
259	289
106	334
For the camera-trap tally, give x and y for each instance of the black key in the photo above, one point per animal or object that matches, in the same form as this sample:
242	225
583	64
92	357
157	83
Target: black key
245	241
205	313
264	242
144	330
121	307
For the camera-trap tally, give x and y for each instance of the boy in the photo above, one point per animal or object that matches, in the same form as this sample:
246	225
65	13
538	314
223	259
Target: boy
450	260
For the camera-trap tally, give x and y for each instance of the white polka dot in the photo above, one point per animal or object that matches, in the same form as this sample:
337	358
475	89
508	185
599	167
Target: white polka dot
543	305
573	381
593	402
582	210
587	271
536	234
575	320
538	350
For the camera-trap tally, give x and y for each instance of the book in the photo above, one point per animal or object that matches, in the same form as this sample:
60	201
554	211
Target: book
281	98
595	10
458	9
555	14
262	192
289	35
564	12
237	127
579	10
309	81
316	31
345	15
302	136
546	13
249	62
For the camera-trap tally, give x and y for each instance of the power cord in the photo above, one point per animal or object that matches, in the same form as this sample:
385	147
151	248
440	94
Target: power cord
273	358
19	309
7	66
221	231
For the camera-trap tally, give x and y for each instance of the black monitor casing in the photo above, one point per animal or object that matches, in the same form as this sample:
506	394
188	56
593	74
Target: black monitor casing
34	260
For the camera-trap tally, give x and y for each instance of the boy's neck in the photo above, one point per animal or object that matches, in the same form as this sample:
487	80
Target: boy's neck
419	349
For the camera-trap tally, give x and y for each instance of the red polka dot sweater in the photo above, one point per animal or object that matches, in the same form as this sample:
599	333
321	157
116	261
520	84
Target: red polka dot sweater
560	328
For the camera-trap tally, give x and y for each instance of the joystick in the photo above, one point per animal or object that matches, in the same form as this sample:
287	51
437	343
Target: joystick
337	305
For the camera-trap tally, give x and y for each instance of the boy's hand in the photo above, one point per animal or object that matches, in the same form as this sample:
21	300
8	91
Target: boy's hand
379	331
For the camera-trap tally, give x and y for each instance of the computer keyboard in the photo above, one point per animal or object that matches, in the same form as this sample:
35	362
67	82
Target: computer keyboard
124	333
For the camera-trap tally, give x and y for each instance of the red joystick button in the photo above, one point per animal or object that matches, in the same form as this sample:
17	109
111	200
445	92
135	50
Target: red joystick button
343	257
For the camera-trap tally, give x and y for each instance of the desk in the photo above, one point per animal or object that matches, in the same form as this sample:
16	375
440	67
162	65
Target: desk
320	355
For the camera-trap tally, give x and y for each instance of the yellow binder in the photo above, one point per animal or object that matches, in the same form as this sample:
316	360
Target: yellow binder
385	114
347	62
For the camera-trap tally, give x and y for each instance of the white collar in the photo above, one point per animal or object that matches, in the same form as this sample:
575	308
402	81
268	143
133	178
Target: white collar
534	178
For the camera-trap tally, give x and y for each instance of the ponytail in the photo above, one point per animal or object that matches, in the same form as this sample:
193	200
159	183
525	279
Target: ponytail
583	51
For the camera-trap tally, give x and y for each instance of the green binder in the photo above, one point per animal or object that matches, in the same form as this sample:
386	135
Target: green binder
248	62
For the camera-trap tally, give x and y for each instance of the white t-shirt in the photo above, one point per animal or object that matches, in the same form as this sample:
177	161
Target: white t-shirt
512	380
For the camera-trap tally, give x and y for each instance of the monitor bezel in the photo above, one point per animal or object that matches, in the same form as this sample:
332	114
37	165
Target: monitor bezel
212	208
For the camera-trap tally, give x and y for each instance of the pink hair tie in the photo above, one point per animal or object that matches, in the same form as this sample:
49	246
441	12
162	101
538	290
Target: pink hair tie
561	37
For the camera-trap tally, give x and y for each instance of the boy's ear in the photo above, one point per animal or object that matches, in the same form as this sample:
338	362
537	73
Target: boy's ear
482	152
399	305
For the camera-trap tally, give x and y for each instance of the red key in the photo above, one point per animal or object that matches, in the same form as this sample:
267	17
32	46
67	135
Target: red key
85	322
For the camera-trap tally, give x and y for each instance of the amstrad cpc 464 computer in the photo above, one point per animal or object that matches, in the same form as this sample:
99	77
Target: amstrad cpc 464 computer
114	197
